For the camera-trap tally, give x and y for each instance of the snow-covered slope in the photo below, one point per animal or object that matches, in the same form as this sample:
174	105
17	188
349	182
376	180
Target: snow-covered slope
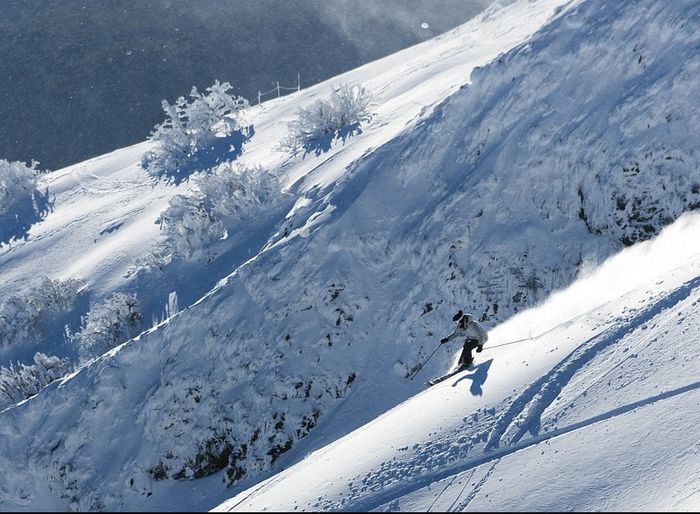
104	209
478	183
599	411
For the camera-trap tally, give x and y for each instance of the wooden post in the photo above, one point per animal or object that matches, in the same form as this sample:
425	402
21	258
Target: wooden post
298	81
278	89
258	97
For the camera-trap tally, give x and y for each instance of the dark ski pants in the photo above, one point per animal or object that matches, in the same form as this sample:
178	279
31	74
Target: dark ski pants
466	358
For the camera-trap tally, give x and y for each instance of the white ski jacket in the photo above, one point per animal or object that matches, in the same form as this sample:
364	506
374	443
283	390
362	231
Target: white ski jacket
473	330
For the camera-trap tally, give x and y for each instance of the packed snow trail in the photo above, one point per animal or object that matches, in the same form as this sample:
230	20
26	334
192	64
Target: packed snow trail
623	368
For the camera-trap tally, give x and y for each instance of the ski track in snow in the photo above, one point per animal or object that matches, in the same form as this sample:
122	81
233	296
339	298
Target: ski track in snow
372	503
526	410
463	504
495	456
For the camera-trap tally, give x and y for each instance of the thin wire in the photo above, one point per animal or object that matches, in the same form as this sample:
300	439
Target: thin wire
274	90
510	342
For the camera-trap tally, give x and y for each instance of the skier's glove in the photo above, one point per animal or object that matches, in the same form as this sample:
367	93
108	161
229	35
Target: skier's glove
479	348
443	340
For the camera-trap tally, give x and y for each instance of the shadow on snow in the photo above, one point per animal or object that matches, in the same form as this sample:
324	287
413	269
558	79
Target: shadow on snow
16	224
478	377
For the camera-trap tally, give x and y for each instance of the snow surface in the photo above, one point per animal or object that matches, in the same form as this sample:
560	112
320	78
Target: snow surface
479	184
598	412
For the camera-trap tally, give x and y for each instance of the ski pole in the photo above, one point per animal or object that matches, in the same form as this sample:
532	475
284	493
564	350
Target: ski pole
425	362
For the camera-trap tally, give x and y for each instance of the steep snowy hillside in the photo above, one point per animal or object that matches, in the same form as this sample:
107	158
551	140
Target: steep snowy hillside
103	211
601	412
479	183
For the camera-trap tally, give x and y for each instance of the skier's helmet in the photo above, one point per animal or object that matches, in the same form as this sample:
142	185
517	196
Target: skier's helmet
457	316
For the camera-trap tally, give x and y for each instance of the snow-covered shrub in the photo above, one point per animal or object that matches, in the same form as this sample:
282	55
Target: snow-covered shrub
17	184
25	380
21	203
198	133
238	191
189	226
55	296
195	220
324	120
21	315
108	324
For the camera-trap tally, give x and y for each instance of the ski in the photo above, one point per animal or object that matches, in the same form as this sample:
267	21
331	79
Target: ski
445	377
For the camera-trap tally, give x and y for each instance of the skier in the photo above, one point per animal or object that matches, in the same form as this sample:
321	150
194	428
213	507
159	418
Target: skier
475	337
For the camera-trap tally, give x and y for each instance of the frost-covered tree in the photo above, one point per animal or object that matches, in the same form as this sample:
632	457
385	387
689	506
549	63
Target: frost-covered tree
17	184
21	315
238	191
198	133
194	221
189	226
19	382
108	324
54	296
324	120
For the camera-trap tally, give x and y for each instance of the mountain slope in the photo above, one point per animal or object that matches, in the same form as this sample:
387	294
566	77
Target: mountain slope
215	347
599	412
104	209
489	192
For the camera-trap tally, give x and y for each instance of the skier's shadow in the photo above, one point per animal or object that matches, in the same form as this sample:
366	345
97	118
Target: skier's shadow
477	376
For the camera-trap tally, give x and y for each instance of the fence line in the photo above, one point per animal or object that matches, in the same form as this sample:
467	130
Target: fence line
278	89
